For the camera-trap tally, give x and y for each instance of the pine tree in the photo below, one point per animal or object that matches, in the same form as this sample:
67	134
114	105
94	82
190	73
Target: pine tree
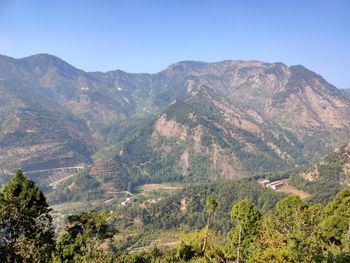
240	239
288	232
83	237
26	232
211	207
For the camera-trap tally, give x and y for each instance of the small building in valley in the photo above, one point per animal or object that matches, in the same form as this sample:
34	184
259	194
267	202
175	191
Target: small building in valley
276	185
263	182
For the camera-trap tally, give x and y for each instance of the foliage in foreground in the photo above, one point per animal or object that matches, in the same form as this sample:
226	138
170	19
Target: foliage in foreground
26	233
293	231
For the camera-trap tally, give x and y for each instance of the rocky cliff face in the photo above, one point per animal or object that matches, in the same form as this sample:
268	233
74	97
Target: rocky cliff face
293	95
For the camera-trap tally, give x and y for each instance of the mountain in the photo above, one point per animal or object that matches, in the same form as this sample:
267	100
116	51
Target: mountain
36	131
346	92
327	177
268	118
192	121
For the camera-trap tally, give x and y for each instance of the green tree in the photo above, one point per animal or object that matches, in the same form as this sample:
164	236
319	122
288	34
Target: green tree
185	251
240	239
334	229
83	238
288	232
192	243
26	232
211	207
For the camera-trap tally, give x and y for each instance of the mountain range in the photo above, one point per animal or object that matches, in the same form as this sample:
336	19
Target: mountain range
193	121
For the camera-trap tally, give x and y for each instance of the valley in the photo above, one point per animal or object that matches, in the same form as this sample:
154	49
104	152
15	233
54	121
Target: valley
144	151
151	147
174	132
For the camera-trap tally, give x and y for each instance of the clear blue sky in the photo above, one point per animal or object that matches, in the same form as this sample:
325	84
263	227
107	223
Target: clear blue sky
147	36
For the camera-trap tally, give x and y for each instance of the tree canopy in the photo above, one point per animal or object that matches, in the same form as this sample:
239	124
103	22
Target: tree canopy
26	231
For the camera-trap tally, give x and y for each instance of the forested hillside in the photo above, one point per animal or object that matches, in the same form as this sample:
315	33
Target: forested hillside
326	178
186	208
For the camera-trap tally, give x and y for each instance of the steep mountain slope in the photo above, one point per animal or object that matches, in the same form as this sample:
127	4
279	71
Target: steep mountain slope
273	91
254	96
36	132
193	140
326	178
51	112
224	133
192	121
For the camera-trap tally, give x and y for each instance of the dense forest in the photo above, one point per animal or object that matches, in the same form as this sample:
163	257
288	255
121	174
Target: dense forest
185	209
292	230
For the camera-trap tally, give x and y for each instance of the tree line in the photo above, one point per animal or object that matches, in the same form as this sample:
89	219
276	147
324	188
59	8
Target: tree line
293	231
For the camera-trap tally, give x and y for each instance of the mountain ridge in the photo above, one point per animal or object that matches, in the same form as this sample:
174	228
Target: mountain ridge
246	113
51	57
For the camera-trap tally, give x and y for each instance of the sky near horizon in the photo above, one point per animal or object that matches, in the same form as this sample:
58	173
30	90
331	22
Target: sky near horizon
147	36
